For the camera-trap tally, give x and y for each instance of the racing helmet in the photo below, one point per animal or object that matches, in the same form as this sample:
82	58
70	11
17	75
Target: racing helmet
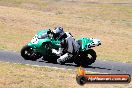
58	32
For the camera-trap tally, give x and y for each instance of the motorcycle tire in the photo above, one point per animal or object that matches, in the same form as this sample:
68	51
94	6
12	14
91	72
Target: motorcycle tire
28	53
84	60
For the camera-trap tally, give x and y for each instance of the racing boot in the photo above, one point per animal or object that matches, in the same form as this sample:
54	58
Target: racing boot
64	58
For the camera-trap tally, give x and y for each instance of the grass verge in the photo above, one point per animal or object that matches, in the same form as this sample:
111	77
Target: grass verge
23	76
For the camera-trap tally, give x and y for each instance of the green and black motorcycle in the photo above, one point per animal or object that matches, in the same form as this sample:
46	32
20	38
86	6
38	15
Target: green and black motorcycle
43	42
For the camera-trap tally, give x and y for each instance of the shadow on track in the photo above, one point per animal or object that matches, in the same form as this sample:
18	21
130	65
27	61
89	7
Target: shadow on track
87	67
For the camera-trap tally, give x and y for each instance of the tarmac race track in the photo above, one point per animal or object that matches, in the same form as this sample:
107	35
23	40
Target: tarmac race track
98	66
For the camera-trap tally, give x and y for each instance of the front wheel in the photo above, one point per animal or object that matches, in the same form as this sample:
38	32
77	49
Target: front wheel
86	58
28	53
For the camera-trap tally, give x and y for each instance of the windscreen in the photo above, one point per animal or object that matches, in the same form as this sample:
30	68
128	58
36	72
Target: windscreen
43	35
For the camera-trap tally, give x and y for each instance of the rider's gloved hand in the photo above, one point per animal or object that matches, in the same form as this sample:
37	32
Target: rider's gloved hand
49	32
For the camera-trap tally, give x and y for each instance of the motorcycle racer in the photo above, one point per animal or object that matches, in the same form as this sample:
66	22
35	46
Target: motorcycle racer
68	45
59	46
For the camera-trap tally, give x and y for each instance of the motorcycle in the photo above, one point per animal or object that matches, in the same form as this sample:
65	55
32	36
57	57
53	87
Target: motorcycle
43	42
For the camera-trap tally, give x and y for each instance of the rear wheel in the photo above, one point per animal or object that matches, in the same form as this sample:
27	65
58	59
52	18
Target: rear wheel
28	53
86	58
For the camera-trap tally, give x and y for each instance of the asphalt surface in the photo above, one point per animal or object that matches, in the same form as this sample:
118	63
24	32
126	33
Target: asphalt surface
98	66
